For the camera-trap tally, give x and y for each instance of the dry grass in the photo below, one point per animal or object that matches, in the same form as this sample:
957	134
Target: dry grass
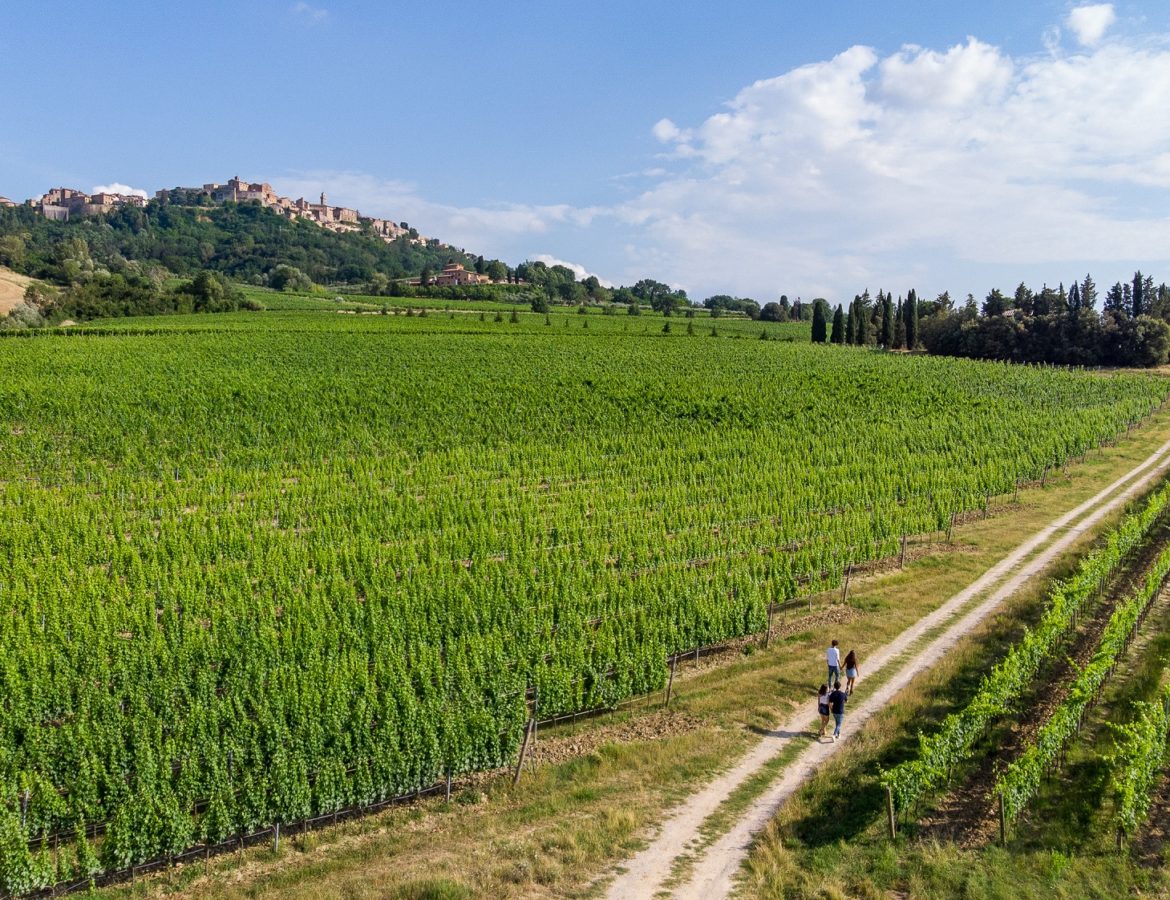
12	287
569	822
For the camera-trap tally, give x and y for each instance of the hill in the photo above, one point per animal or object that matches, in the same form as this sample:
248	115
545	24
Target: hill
243	241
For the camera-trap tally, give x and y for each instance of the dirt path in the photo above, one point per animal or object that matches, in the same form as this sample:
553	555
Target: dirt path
714	873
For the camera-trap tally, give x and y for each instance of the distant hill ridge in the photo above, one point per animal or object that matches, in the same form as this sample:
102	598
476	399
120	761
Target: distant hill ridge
242	230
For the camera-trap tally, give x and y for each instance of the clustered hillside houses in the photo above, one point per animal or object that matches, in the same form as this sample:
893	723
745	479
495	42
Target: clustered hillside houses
334	218
61	203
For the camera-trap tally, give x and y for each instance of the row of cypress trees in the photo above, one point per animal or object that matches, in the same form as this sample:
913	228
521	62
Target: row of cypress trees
880	322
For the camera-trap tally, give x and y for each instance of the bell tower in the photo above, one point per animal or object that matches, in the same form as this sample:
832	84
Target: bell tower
323	203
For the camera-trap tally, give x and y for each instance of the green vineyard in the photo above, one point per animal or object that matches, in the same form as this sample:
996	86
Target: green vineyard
262	567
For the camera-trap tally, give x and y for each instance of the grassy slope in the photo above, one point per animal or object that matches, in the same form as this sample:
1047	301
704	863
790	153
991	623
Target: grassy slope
570	821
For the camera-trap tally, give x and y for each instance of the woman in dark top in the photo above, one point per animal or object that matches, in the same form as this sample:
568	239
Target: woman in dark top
823	708
850	671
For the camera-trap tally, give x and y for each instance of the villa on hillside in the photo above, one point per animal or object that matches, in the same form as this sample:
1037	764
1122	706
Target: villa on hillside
454	273
4	201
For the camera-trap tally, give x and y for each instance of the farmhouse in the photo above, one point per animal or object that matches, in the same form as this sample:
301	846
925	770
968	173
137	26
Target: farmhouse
454	273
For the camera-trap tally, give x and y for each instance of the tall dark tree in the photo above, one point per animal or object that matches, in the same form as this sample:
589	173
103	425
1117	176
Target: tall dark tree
1074	301
861	335
1138	296
851	322
1115	300
838	335
1088	293
818	324
887	333
910	312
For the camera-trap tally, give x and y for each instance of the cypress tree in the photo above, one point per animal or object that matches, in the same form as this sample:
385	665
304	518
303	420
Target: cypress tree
851	323
910	311
838	335
1138	295
887	333
818	323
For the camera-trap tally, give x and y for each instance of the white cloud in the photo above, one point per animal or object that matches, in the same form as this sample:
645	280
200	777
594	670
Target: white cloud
867	171
307	13
580	271
119	188
1089	23
665	130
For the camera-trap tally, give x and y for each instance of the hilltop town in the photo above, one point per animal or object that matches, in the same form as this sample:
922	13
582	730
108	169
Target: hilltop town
62	203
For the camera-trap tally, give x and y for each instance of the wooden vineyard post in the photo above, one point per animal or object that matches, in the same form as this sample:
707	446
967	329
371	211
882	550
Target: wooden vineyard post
845	589
951	528
890	812
276	838
902	556
448	799
1002	821
768	633
523	751
670	680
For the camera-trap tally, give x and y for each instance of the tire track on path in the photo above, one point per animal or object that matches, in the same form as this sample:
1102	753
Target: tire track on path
718	865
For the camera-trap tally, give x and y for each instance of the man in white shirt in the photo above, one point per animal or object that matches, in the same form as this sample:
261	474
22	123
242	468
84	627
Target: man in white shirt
833	658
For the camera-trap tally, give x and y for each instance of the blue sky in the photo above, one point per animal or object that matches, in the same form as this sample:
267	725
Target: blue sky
755	148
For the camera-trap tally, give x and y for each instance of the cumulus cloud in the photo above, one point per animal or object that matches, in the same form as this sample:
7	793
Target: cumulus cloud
119	188
306	13
1089	23
863	170
579	270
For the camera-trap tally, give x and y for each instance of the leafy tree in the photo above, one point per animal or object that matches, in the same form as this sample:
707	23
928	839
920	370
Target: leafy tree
773	312
1023	299
995	304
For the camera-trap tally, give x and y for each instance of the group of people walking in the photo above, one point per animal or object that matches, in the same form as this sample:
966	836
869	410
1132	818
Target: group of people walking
831	698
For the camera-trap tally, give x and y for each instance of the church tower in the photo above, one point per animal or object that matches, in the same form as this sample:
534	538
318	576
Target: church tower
323	203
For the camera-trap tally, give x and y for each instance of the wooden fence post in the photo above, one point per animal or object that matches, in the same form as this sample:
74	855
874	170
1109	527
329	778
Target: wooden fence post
768	633
523	752
1002	822
670	680
902	557
448	785
276	838
890	812
845	589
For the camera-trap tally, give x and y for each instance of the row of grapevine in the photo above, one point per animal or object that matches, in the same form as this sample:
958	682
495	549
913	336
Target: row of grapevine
1020	781
264	572
1138	762
940	753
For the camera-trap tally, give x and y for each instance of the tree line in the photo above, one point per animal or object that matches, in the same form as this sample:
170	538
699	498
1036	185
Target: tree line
1051	325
